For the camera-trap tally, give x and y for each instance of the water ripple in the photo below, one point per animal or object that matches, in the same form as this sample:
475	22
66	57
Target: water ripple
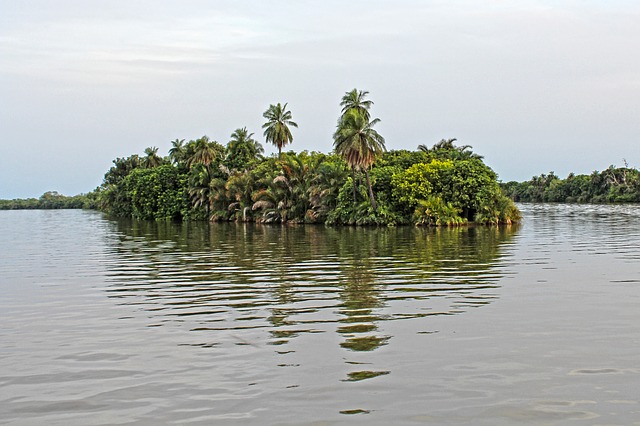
283	277
109	322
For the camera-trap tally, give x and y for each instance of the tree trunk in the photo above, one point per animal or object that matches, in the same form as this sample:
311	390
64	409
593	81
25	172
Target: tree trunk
373	200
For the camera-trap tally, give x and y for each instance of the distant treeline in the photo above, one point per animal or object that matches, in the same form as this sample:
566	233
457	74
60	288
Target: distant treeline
613	185
51	200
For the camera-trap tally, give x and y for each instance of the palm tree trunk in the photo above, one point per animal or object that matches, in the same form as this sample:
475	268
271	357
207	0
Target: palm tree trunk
373	200
353	179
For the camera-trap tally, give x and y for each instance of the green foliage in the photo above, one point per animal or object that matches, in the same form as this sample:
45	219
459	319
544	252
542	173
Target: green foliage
403	158
471	182
362	213
157	193
346	211
203	151
330	176
121	168
199	178
446	191
177	153
446	149
287	197
242	150
152	159
420	181
410	187
435	212
496	208
355	100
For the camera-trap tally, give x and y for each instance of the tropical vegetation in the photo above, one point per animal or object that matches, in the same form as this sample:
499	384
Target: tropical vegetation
360	183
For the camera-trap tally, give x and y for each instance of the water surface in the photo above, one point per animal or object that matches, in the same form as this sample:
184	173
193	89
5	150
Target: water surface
123	322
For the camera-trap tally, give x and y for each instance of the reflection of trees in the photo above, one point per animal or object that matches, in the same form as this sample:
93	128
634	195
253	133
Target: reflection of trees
360	298
359	292
291	280
381	266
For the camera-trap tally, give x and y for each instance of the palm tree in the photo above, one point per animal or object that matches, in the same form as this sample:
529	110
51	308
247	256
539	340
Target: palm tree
359	144
355	99
121	169
241	149
200	190
447	148
325	185
177	151
277	126
204	152
152	159
287	196
240	187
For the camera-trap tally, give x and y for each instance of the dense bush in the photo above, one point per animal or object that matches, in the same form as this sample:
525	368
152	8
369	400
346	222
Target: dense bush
426	187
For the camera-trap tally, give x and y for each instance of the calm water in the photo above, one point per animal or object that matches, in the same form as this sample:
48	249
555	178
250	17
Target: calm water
105	322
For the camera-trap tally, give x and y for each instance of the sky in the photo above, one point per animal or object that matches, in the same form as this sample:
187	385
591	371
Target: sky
533	85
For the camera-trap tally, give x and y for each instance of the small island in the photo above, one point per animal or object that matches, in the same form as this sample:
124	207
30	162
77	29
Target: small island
359	183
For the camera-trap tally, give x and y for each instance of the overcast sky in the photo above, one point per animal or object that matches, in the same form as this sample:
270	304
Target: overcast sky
534	86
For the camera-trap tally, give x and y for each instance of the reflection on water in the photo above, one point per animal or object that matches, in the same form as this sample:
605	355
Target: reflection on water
303	279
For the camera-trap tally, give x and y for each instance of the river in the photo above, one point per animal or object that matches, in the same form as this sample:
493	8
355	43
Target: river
107	322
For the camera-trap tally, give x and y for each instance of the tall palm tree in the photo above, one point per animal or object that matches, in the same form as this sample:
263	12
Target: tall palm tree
359	144
152	159
355	99
277	130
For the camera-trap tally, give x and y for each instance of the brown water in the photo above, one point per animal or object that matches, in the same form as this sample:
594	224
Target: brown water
105	322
